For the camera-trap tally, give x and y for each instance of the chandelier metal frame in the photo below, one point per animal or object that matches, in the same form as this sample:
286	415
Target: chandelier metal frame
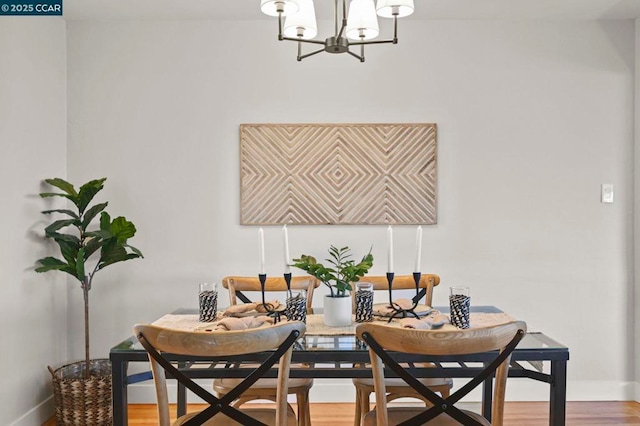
338	43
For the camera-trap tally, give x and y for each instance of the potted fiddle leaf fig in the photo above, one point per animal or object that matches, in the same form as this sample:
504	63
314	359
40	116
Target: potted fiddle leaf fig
82	390
338	276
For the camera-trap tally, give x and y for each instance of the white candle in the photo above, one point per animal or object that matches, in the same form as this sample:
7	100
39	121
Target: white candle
261	249
390	252
285	235
418	249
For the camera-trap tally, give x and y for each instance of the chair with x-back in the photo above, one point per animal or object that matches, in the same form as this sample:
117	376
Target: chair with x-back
397	388
385	341
277	341
238	288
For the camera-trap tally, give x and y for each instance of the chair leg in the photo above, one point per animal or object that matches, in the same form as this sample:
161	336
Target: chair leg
304	415
363	403
358	410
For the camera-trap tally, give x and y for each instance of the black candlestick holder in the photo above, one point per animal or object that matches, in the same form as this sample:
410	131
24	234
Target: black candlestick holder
287	279
271	311
295	307
398	311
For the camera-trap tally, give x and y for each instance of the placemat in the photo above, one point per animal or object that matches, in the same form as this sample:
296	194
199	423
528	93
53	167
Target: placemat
180	322
315	326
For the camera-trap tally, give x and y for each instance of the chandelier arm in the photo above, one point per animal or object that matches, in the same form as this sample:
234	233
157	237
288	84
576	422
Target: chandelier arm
335	16
395	29
360	58
309	54
280	37
344	25
358	43
300	40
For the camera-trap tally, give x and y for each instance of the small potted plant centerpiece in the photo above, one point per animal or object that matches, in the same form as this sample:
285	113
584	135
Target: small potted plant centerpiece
338	277
82	390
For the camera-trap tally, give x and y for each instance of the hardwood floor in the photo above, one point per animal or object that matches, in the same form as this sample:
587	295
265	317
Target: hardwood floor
517	413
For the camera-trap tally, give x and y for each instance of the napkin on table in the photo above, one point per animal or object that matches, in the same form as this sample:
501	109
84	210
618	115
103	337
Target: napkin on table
234	310
239	309
274	305
236	324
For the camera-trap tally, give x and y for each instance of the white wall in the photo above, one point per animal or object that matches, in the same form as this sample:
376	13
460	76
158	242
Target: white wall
532	118
33	137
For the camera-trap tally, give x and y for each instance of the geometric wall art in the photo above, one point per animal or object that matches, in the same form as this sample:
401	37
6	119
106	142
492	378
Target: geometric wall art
338	174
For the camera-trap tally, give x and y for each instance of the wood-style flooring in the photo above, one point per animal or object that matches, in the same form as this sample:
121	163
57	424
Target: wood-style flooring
517	413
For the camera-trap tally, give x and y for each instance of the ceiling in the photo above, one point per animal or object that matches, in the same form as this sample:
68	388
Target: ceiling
425	9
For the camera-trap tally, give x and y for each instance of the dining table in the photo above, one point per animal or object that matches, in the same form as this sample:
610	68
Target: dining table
337	353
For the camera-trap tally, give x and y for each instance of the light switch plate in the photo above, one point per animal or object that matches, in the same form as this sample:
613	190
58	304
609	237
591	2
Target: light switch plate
606	193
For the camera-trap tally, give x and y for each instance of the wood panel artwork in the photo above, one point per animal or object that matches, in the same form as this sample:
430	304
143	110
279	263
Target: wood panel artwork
338	174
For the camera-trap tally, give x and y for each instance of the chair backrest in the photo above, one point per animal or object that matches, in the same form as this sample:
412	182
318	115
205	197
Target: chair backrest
237	285
382	338
220	344
405	282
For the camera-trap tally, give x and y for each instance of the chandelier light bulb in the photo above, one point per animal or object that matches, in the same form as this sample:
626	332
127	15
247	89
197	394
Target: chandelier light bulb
362	22
274	7
302	24
391	8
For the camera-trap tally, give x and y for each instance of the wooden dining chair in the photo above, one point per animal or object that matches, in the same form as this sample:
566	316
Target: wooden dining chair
277	339
405	282
266	388
238	285
397	388
382	338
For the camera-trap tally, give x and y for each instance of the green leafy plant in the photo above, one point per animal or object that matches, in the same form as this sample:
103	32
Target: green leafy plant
85	252
343	271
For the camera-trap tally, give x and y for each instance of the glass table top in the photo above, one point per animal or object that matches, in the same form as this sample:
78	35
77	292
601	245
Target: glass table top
534	341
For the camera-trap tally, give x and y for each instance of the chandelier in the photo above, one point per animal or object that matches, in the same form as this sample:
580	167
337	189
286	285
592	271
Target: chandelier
357	28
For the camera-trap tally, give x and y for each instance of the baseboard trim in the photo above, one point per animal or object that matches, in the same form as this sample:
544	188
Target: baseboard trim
37	415
341	390
600	391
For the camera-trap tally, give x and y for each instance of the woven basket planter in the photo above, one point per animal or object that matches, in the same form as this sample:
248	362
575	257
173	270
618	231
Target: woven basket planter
80	401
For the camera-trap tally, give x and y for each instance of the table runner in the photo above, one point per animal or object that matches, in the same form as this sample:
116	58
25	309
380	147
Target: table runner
315	326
